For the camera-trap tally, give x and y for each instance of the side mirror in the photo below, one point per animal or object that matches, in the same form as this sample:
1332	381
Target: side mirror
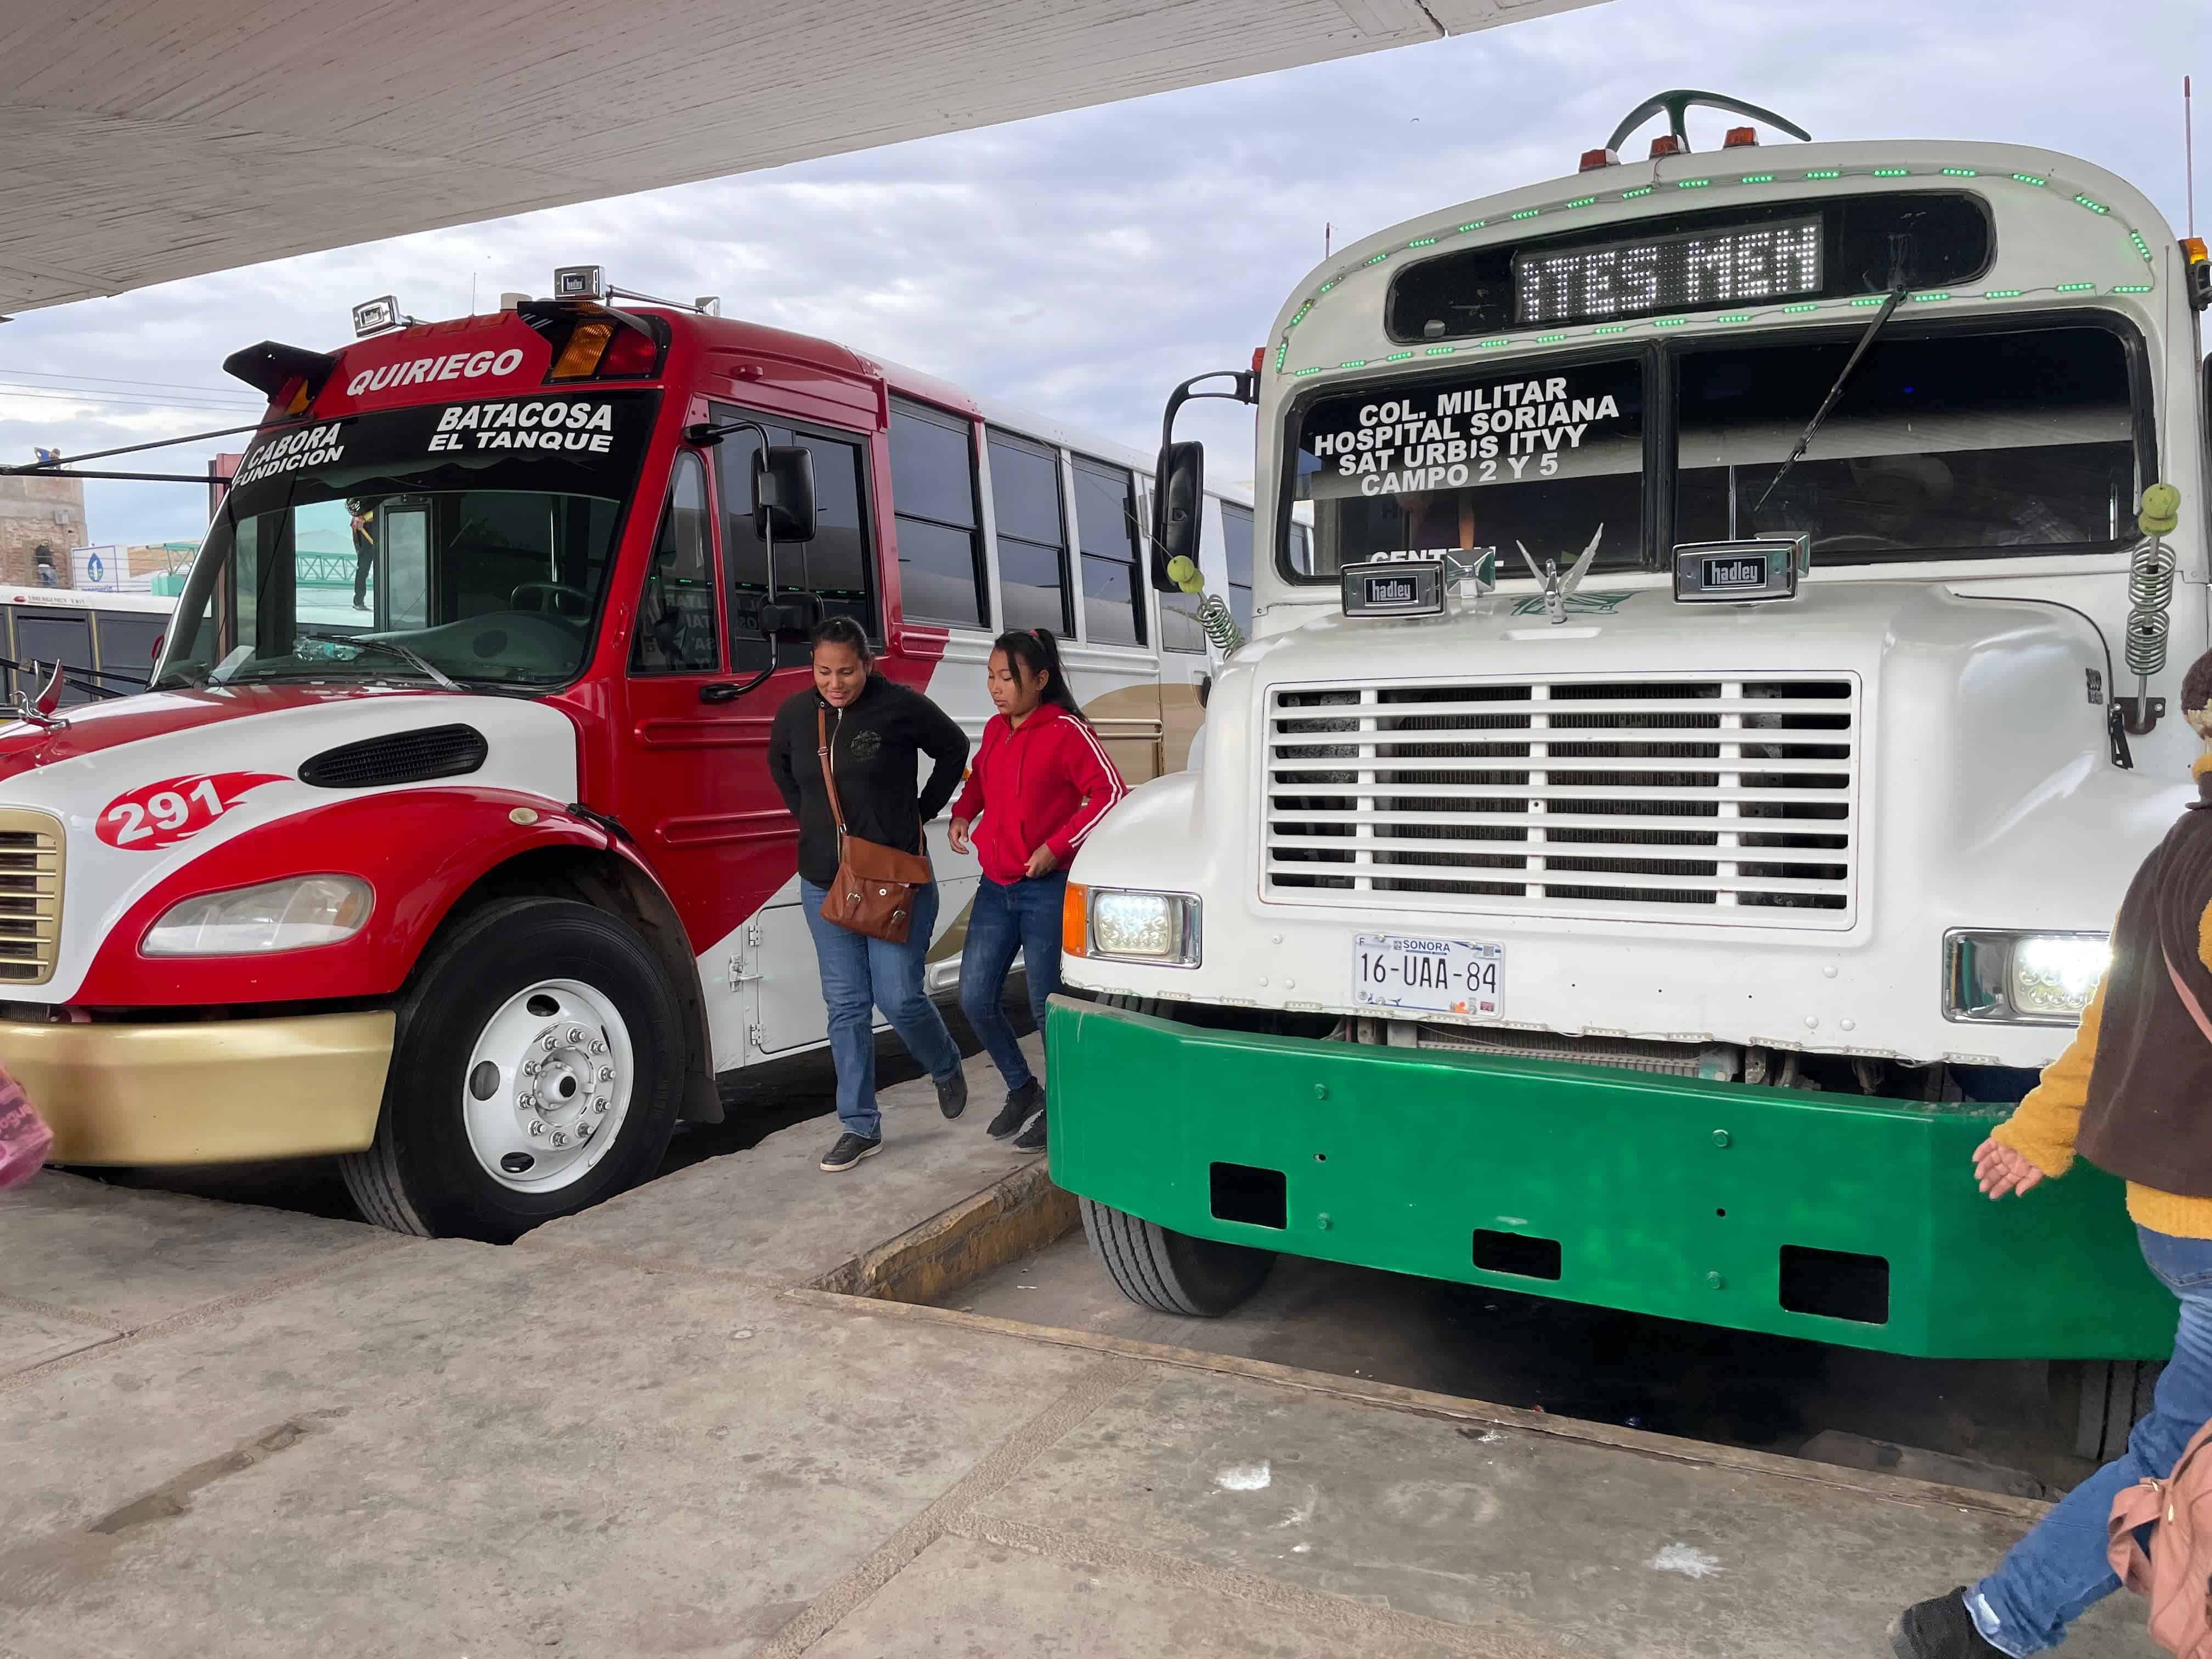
1178	503
783	492
791	617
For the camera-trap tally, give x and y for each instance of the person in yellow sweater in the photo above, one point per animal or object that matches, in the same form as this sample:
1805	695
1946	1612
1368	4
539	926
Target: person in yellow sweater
2130	1094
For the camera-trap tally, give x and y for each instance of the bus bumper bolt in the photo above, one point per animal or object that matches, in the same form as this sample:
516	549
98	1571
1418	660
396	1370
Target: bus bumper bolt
1323	1222
1716	1281
1720	1136
1321	1091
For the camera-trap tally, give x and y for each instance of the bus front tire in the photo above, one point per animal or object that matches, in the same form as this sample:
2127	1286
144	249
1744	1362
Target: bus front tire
535	1071
1172	1272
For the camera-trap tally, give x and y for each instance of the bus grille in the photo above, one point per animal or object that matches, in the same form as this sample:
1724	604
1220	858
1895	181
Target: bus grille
30	895
1722	800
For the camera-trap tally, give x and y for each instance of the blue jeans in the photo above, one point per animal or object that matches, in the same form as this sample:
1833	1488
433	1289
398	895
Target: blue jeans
858	972
2052	1575
1024	917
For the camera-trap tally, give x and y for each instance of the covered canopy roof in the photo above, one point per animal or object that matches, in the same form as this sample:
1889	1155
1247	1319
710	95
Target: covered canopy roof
143	140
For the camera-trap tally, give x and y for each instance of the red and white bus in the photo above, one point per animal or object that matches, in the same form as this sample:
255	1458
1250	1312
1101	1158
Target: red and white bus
443	839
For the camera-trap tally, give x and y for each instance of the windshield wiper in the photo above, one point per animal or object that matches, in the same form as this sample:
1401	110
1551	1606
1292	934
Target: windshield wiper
429	671
1901	280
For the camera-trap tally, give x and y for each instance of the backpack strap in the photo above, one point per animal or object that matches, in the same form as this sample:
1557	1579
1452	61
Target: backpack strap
2188	997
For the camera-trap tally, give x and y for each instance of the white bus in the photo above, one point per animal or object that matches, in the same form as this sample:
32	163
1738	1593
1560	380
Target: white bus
1661	924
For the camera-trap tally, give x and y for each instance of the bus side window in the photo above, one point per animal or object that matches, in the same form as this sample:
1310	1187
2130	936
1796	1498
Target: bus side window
933	495
675	617
835	567
1032	534
1236	544
1106	540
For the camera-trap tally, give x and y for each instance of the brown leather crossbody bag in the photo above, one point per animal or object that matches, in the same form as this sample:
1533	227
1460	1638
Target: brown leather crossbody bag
873	893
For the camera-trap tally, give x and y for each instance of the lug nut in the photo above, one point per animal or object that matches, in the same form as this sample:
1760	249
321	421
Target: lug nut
537	1125
530	1069
607	1074
599	1045
549	1040
600	1104
575	1033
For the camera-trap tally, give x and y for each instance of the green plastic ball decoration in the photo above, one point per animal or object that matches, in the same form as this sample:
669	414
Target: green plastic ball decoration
2161	510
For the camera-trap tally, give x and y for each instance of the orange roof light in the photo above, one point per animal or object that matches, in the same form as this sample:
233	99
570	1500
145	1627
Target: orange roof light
1595	159
1739	136
2192	250
1666	144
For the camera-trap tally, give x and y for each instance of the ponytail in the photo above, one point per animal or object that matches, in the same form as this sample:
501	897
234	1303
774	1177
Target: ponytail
1038	652
841	630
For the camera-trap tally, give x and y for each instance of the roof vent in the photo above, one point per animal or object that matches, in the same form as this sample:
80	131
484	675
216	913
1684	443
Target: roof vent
434	751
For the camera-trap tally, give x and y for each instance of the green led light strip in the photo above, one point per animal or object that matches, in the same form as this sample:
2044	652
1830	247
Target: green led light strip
2089	202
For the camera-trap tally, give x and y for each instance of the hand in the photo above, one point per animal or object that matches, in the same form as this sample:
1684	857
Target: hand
1042	862
958	834
1998	1169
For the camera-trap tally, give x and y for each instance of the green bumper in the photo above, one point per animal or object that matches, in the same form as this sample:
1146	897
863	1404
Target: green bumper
1824	1216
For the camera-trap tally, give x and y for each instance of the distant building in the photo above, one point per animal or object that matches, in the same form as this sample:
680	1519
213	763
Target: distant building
41	523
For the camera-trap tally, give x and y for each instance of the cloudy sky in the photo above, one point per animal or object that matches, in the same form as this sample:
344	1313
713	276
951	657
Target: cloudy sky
1080	265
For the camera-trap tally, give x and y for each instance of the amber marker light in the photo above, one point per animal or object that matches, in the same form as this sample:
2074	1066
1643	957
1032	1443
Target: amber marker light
1075	922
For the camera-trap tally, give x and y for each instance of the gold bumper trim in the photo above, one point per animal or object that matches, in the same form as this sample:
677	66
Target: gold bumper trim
209	1092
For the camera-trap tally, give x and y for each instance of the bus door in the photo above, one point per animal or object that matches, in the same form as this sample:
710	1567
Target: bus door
688	748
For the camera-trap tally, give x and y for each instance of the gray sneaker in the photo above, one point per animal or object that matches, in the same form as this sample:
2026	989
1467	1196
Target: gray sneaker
850	1150
952	1094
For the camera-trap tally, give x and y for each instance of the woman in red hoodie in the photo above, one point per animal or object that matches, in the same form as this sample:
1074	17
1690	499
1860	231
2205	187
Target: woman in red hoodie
1040	781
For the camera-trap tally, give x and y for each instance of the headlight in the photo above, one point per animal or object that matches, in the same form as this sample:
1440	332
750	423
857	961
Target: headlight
1124	926
277	915
2022	979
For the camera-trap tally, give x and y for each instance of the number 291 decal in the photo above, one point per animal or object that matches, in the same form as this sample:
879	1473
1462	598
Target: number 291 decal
155	816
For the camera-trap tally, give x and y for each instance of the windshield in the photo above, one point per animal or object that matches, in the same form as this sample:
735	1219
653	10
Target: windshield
471	540
1942	444
1957	443
1544	459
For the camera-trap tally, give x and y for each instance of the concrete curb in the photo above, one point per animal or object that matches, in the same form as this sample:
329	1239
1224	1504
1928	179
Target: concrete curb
1887	1488
1015	1216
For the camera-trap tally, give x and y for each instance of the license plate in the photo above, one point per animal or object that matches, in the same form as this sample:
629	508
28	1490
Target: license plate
1439	975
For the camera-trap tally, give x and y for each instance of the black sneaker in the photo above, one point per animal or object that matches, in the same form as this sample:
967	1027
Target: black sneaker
952	1094
1031	1139
1022	1104
850	1150
1941	1629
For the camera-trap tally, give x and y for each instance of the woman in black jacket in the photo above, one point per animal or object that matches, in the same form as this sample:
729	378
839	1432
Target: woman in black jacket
876	729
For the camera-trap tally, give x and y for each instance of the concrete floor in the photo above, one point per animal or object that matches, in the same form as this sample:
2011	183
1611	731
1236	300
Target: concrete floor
1998	1418
640	1431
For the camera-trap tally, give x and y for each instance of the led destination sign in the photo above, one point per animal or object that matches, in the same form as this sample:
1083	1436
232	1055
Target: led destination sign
1736	266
